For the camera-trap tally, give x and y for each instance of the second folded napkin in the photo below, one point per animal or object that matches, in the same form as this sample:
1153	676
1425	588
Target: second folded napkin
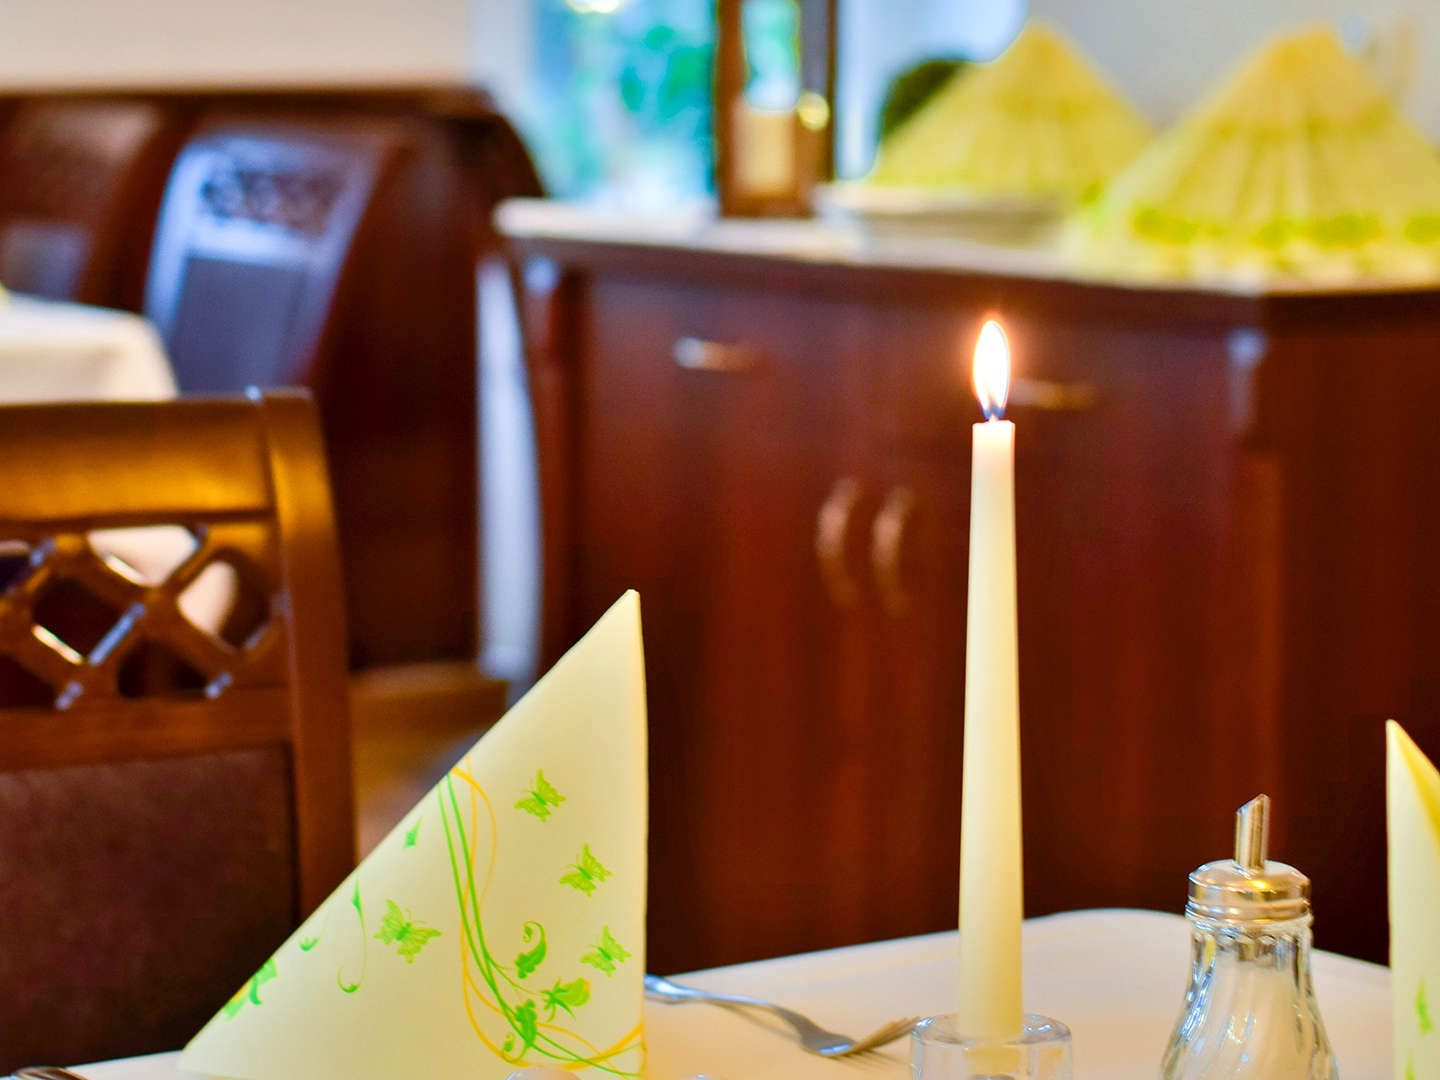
501	925
1413	795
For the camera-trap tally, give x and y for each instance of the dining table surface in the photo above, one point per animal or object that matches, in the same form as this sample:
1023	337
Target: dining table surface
1117	978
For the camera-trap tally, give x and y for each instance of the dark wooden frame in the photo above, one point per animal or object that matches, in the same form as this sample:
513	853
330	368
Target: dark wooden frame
817	74
76	468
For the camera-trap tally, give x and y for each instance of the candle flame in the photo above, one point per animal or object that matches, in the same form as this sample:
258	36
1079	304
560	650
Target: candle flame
992	370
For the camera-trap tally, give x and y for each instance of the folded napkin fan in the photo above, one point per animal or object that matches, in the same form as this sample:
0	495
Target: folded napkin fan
501	925
1297	166
1039	121
1413	795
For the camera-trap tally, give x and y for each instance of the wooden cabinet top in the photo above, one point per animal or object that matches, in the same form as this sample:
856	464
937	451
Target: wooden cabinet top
815	255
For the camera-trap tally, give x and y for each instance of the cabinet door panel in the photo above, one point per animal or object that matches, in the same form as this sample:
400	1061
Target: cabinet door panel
1124	475
915	644
701	488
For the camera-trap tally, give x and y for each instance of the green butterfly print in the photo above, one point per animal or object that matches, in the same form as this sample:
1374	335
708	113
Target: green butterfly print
585	873
1422	1011
568	996
412	834
1410	1068
541	799
527	1024
607	954
405	933
250	991
527	962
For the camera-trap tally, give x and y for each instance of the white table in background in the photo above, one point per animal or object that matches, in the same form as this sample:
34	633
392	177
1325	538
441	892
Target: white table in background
1116	977
71	352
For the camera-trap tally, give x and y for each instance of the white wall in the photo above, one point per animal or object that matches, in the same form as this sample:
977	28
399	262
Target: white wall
502	49
877	39
223	42
1166	53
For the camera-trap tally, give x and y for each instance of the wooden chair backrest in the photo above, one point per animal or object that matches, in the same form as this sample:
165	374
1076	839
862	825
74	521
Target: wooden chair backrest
404	322
79	185
159	835
255	235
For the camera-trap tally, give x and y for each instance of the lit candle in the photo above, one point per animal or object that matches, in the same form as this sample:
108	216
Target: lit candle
989	1004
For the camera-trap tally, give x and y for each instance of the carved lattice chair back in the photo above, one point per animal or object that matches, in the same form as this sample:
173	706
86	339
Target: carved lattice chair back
174	785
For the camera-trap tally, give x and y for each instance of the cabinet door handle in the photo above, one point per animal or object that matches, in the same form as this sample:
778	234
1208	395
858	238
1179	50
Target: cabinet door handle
832	529
695	354
887	549
1052	396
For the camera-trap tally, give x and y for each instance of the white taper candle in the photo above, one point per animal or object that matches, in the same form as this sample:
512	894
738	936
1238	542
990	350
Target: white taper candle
991	903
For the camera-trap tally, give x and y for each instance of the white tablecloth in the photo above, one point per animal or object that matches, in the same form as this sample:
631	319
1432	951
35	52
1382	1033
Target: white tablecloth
70	352
1116	977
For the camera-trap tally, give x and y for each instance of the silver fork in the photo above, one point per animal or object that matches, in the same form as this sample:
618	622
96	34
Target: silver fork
812	1036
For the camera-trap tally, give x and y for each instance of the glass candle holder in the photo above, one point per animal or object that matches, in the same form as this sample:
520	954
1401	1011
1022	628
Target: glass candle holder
1040	1052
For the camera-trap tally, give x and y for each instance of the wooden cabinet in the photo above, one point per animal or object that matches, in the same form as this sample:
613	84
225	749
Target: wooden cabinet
716	435
1223	577
1122	514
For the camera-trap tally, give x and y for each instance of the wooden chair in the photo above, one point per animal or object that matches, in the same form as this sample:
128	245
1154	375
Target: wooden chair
172	802
337	251
315	251
80	184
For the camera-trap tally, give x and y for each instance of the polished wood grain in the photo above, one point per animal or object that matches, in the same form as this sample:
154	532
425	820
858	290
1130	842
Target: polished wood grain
384	325
214	810
148	729
1342	415
412	722
1223	512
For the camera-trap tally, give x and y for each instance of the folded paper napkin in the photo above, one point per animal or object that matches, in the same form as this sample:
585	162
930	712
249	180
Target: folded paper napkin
501	925
1413	794
1296	167
1039	122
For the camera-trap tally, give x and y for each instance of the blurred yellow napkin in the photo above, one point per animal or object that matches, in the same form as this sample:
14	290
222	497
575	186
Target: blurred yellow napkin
1297	166
501	925
1413	795
1039	121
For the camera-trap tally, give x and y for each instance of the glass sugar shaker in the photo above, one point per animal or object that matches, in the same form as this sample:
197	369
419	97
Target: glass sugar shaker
1250	1008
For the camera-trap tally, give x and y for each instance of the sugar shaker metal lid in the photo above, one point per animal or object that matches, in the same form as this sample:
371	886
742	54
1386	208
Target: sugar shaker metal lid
1249	887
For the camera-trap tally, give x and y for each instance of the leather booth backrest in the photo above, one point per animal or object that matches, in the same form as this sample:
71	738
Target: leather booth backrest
255	233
